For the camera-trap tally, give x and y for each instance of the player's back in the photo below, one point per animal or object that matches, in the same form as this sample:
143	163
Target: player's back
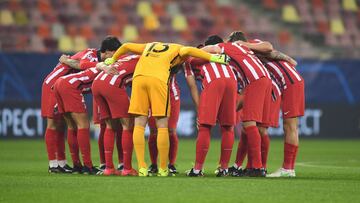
126	66
244	61
157	60
88	53
63	69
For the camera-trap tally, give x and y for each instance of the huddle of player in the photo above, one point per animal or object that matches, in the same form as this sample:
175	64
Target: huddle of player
241	80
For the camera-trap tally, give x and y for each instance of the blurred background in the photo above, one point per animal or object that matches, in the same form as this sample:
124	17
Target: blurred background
323	35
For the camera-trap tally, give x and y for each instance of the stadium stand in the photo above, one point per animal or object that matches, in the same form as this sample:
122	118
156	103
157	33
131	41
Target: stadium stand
304	28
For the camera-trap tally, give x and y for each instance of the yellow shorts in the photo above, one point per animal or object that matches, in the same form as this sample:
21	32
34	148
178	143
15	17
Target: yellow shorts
149	93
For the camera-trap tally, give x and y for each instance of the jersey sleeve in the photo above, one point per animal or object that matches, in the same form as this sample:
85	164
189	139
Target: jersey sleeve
129	47
89	60
195	52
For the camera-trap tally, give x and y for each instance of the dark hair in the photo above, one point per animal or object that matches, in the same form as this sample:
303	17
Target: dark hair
110	43
200	46
213	39
236	36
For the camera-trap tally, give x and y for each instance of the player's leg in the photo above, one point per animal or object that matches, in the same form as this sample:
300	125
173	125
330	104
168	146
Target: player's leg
227	120
83	137
267	121
61	158
293	106
202	147
127	143
73	143
237	169
119	147
207	115
291	142
227	141
139	143
48	101
265	145
139	107
153	169
109	139
163	143
101	145
174	142
160	110
51	143
254	98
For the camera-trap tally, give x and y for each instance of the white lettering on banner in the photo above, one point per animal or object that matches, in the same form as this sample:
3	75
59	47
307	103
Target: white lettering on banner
21	122
309	124
16	122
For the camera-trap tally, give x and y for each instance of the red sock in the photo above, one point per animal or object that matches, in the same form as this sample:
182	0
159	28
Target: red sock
202	146
227	142
127	143
60	143
109	138
241	151
265	144
73	146
101	143
51	143
153	148
83	137
119	146
294	158
254	146
174	142
249	162
289	151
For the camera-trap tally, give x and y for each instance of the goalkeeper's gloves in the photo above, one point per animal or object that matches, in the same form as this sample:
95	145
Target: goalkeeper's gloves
220	58
109	61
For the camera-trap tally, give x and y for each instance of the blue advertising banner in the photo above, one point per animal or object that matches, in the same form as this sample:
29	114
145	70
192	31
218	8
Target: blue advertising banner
331	88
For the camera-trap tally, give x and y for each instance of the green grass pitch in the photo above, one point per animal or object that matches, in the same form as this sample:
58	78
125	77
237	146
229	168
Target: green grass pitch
327	171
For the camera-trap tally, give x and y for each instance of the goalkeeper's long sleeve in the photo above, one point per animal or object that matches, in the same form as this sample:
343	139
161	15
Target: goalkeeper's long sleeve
128	47
195	52
198	53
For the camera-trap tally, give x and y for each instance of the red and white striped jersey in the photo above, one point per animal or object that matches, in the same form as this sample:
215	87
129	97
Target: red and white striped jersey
208	72
126	67
249	68
82	80
85	57
174	88
282	72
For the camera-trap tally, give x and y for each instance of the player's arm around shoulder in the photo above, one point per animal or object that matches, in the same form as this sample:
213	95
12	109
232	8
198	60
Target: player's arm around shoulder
111	70
199	53
262	46
214	49
65	59
126	48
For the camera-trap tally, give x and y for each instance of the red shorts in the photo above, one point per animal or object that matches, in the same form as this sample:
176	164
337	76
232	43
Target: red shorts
113	101
218	102
48	102
271	118
174	114
293	100
69	99
256	95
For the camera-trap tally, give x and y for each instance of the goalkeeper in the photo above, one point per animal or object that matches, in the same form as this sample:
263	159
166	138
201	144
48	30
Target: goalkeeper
150	90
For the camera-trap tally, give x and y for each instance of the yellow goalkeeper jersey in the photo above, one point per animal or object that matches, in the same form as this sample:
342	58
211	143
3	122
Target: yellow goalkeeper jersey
157	59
